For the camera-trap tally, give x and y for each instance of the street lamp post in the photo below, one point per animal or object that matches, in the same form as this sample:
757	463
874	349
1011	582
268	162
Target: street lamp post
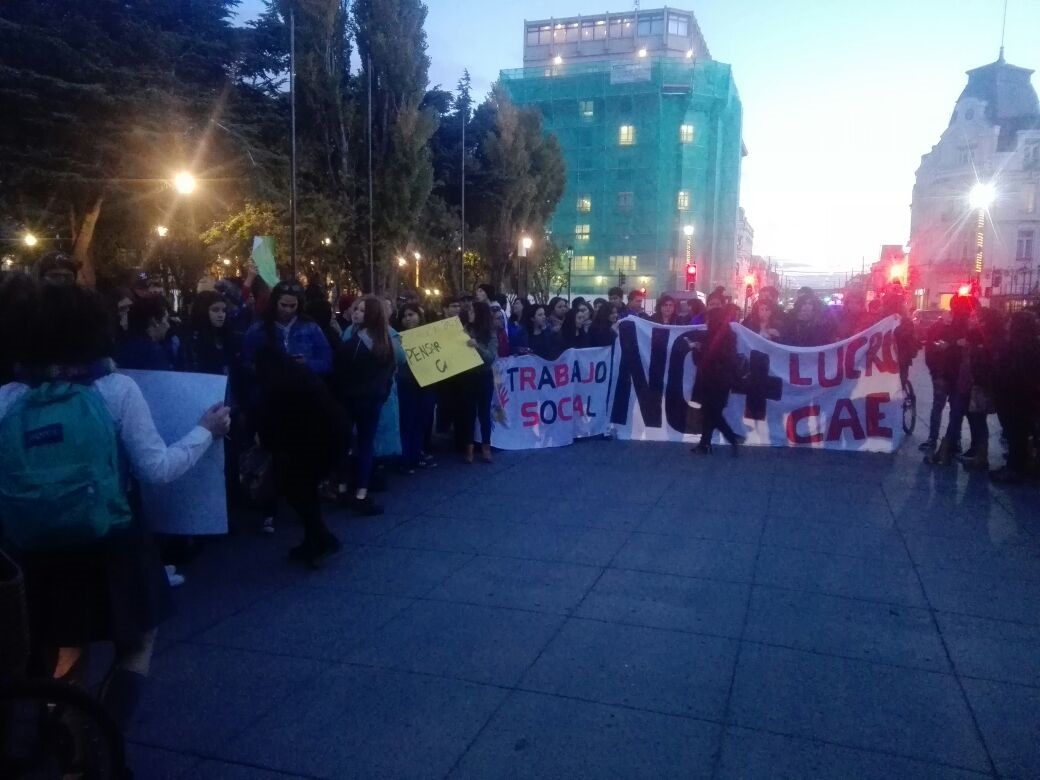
526	242
980	199
418	257
570	269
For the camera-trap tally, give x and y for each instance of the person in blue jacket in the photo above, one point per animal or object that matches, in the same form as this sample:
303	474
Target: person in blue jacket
289	330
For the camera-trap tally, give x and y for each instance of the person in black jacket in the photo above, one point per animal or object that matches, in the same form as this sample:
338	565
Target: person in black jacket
541	340
363	371
300	424
953	347
211	347
575	331
1016	391
716	362
604	327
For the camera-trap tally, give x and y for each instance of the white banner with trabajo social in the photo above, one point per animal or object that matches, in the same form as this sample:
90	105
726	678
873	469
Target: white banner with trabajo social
844	396
550	403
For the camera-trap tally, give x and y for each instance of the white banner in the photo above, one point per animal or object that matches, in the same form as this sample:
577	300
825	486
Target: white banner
550	403
844	396
195	504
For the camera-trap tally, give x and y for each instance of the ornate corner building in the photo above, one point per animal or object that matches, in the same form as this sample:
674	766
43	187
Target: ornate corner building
993	138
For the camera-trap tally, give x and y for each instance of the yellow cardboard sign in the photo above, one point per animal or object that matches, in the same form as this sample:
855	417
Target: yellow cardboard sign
438	351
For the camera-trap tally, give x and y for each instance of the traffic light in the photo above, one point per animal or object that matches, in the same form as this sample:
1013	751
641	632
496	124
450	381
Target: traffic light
691	277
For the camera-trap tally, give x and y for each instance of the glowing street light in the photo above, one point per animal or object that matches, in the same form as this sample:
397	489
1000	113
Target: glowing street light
401	262
162	231
689	54
982	195
642	53
326	241
30	240
527	242
184	183
226	261
557	60
687	230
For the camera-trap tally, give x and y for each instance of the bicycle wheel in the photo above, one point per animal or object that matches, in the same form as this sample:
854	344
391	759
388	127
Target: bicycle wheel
51	729
909	408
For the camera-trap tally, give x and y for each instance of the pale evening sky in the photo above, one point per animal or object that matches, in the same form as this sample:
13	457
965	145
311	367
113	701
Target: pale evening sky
841	98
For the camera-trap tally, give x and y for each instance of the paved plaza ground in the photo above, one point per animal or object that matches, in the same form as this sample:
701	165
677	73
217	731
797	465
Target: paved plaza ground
621	609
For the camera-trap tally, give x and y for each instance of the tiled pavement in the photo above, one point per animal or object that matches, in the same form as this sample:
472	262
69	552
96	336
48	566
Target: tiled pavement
620	609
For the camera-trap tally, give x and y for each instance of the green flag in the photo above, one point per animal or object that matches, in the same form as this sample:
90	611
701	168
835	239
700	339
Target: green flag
263	256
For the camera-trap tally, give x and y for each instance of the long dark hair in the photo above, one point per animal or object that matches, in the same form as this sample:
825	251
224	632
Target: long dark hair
62	326
294	289
481	327
529	312
411	307
551	306
377	328
200	311
601	319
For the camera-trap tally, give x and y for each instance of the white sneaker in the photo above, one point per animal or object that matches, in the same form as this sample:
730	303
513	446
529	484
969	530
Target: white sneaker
268	526
175	579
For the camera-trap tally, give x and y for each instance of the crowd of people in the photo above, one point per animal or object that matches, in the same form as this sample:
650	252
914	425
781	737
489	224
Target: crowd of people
321	406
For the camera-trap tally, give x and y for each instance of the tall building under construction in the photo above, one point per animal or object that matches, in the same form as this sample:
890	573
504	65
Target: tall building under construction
650	127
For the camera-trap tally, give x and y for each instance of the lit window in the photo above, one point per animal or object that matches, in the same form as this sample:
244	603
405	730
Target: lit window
584	263
623	263
625	200
1029	202
559	34
601	30
582	232
678	25
584	203
683	201
686	134
627	135
1024	248
572	32
587	108
532	36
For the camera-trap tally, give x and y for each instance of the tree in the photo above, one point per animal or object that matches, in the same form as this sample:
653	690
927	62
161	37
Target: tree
391	45
547	273
518	179
90	92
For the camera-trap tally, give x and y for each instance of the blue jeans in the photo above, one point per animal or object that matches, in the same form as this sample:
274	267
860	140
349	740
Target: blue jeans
415	405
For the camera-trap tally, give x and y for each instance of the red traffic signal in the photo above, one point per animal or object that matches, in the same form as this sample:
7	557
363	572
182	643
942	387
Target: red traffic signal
691	277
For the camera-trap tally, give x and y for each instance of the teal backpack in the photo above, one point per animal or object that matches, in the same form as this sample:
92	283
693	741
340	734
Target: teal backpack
60	481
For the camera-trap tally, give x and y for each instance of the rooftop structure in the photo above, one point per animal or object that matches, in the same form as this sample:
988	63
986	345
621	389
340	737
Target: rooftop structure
663	32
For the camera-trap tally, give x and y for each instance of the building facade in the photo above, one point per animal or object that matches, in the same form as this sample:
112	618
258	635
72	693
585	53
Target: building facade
994	138
650	128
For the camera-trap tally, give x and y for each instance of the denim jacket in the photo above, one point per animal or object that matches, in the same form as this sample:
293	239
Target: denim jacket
301	337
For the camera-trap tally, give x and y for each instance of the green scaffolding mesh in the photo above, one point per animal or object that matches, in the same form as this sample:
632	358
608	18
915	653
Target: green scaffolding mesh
635	135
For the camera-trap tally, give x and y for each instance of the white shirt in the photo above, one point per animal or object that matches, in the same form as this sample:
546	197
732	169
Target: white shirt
151	460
